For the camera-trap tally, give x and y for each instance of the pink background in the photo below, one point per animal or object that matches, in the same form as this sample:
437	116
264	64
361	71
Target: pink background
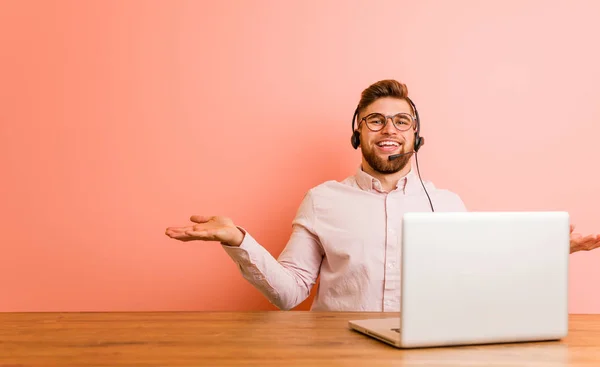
120	118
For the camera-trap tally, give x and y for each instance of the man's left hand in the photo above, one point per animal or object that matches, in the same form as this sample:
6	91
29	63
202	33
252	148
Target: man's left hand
580	243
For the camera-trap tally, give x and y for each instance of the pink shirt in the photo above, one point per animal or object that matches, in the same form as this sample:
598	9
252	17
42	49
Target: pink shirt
349	234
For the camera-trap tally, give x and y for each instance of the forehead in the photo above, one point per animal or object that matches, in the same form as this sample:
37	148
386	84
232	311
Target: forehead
388	106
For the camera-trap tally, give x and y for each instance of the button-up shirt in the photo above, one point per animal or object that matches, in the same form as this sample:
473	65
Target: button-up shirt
348	234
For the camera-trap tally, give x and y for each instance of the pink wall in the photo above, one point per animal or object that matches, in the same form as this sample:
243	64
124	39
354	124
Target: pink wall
121	118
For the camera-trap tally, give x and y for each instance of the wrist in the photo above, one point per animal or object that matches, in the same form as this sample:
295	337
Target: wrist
237	239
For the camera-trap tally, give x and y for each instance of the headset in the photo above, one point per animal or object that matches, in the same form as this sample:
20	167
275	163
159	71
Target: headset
419	141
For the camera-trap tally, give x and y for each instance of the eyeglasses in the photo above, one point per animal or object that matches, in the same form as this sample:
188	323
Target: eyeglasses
376	121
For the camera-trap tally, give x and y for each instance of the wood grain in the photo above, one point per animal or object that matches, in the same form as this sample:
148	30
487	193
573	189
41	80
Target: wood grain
293	338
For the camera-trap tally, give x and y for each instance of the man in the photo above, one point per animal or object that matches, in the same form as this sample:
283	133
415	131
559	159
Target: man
348	232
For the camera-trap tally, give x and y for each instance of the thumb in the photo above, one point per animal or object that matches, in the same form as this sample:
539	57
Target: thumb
200	218
572	228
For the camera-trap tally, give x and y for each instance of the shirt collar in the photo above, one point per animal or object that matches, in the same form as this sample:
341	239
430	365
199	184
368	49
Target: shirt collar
367	182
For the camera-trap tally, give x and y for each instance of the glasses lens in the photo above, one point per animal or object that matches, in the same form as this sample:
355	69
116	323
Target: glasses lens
375	121
403	121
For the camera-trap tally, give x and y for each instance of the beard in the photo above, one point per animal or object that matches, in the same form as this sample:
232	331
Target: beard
383	165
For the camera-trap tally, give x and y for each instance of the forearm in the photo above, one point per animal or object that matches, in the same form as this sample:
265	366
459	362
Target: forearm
284	284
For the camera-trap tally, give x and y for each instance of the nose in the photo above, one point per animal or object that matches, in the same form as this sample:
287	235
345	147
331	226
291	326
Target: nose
389	127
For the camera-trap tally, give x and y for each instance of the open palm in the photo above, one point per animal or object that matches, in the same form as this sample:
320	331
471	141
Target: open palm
213	228
580	243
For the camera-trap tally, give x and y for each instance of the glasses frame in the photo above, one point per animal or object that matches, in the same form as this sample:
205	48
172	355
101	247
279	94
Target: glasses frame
389	117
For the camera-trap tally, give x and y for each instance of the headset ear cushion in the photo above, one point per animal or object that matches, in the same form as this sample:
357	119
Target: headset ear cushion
419	141
355	139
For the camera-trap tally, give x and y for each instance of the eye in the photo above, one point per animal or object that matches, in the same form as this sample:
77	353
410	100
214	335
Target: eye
402	120
375	120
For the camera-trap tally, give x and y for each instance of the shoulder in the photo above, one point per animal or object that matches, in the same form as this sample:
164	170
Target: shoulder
328	193
333	188
316	198
445	199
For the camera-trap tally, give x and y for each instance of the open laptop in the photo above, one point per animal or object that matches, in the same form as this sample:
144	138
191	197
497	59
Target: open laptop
479	278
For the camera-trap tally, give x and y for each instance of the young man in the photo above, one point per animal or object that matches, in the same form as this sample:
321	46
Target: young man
348	232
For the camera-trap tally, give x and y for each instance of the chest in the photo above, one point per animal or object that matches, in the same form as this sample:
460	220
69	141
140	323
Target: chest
366	227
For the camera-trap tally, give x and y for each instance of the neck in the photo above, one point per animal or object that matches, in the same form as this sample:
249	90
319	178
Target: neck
389	181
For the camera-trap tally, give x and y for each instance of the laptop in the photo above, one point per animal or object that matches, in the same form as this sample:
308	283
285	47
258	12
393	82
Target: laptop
472	278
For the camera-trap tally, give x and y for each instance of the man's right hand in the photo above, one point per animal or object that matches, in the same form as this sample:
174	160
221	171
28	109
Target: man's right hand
217	228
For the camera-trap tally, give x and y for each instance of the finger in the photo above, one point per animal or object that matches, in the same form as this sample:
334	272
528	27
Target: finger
177	230
200	218
587	243
582	241
208	234
593	244
588	238
572	228
182	237
201	236
179	235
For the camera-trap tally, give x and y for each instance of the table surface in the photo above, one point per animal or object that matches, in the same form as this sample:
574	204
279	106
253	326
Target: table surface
272	338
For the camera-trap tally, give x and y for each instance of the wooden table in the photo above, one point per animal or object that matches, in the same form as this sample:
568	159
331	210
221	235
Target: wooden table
289	338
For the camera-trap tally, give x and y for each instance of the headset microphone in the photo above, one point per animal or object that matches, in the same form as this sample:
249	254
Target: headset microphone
394	156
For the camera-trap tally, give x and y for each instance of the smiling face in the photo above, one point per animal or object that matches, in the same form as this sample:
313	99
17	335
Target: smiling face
377	146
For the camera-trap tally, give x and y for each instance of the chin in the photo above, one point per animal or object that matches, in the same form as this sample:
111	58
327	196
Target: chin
380	162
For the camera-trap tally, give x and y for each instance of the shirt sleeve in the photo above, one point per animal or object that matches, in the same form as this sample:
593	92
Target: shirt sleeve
287	280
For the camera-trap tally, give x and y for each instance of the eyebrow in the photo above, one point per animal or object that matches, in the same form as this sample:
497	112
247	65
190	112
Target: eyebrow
379	113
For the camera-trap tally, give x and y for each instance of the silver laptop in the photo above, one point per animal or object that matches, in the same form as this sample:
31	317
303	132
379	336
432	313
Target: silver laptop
479	278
